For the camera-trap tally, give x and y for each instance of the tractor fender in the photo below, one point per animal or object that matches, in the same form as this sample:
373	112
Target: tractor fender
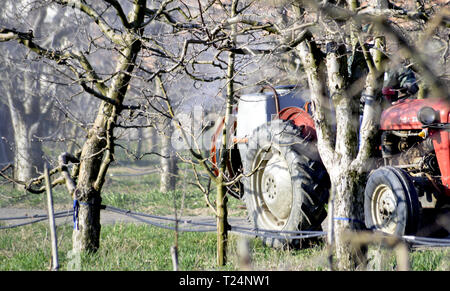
301	119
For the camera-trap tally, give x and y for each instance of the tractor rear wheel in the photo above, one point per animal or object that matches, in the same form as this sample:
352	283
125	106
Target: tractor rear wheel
288	186
391	202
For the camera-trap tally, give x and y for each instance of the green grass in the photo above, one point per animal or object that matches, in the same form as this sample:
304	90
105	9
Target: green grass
17	197
424	260
144	247
136	247
138	193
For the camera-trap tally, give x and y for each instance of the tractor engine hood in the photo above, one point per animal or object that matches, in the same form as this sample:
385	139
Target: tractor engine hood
403	114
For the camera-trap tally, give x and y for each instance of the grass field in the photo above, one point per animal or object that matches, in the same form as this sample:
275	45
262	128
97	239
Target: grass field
143	247
140	247
129	247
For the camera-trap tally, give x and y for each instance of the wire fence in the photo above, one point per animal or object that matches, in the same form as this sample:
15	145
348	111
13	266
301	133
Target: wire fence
34	218
190	225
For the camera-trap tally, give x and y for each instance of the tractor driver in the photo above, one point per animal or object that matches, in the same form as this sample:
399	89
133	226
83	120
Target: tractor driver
399	83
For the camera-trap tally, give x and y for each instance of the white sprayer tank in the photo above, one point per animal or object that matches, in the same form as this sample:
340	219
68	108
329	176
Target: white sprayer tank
257	109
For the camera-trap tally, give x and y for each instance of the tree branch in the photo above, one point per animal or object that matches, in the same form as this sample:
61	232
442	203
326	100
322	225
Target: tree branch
120	13
89	11
311	59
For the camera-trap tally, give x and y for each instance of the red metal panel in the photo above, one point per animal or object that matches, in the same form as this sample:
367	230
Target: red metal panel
403	114
300	118
441	142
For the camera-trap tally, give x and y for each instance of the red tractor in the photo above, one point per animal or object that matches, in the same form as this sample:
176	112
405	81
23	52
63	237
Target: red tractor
415	174
275	141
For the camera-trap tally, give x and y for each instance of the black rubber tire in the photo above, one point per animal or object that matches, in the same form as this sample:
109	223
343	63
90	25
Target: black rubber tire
309	181
406	206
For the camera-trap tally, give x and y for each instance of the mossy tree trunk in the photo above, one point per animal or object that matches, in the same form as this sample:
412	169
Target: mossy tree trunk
346	161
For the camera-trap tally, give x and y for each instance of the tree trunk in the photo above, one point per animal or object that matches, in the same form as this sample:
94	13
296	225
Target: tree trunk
86	233
140	140
5	136
28	159
28	154
347	215
97	152
26	109
338	148
169	168
221	199
222	222
151	137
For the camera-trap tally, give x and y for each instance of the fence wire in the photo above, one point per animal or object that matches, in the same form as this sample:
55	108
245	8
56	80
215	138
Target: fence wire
213	227
168	223
35	218
428	241
138	216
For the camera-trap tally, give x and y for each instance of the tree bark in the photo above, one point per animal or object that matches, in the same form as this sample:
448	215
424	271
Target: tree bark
221	199
348	214
28	156
97	151
26	111
169	168
5	137
338	151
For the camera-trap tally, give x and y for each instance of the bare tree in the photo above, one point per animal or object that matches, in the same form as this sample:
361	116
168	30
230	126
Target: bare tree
117	30
27	111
